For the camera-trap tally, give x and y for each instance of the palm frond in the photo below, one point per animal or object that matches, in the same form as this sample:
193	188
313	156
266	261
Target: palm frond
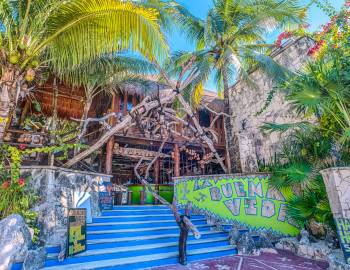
81	30
274	127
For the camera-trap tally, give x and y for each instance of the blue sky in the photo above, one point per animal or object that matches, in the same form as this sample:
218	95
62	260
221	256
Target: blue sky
200	7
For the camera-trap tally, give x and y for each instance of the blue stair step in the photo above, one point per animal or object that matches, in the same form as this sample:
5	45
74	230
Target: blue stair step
138	224
137	262
125	252
138	237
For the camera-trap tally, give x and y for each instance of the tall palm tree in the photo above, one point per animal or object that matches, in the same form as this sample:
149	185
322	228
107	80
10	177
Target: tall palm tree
35	34
231	40
105	74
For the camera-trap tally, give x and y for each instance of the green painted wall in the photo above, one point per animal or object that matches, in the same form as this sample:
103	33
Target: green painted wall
244	199
166	191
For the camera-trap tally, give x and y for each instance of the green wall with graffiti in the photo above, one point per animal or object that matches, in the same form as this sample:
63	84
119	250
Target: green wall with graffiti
244	199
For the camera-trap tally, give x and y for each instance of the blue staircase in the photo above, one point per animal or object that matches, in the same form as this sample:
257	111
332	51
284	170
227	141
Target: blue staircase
138	237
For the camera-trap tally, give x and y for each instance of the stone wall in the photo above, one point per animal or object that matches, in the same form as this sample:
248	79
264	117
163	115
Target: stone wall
56	188
337	182
246	101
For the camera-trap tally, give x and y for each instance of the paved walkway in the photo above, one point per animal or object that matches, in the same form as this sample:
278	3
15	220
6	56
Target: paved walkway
281	261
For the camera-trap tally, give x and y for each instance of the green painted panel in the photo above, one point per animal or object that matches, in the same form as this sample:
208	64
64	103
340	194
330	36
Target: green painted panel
246	200
167	192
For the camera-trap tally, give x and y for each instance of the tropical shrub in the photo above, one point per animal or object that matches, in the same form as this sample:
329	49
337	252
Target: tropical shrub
16	197
320	91
304	153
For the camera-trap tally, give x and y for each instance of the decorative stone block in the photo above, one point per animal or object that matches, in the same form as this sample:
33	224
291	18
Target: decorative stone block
56	188
337	181
15	241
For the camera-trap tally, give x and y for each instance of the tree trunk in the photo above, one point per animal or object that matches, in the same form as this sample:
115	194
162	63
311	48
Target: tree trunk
111	141
87	105
200	130
51	159
4	110
231	138
10	83
142	108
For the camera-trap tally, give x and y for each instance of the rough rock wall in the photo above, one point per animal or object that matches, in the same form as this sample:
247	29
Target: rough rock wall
247	101
56	188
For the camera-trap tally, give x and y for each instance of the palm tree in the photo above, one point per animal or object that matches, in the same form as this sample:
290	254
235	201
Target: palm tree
35	34
105	74
231	40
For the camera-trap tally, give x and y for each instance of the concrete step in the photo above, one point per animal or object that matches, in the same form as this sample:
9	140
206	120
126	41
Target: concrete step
139	232
191	244
136	261
137	224
150	237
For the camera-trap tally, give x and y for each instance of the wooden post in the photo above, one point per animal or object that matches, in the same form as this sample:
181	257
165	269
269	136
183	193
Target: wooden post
177	160
111	141
156	171
125	109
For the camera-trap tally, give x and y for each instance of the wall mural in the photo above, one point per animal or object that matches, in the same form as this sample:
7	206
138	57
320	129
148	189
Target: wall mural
246	200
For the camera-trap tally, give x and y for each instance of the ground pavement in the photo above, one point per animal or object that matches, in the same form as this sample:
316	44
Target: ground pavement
281	261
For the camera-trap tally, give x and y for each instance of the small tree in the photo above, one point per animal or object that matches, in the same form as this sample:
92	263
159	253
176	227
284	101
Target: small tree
63	34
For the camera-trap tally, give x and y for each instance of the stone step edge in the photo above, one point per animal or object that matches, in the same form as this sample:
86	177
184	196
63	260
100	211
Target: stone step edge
138	216
140	238
138	210
141	229
136	259
137	222
92	252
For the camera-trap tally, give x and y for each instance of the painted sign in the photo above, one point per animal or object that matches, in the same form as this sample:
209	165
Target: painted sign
343	229
137	153
105	195
76	231
247	200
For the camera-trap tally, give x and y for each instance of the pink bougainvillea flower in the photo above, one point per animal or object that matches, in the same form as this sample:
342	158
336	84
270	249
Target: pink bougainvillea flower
5	185
315	49
347	3
21	182
21	146
281	37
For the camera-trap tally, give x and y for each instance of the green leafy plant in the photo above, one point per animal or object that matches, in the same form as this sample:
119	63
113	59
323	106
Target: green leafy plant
320	90
16	197
304	153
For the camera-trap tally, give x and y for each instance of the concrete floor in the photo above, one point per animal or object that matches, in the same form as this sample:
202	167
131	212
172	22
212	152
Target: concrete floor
281	261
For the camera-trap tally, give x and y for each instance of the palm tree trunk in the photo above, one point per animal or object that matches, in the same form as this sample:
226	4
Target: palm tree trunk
4	110
231	138
10	84
51	159
87	105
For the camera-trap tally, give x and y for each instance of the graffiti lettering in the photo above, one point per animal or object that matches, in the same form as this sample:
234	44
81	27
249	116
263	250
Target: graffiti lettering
215	194
268	208
249	201
254	190
239	187
234	206
275	194
282	213
251	207
227	190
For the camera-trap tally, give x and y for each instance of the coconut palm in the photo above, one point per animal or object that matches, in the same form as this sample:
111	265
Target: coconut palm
106	74
231	40
35	34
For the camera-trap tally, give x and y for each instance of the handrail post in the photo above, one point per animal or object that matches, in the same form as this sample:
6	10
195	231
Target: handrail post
183	240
